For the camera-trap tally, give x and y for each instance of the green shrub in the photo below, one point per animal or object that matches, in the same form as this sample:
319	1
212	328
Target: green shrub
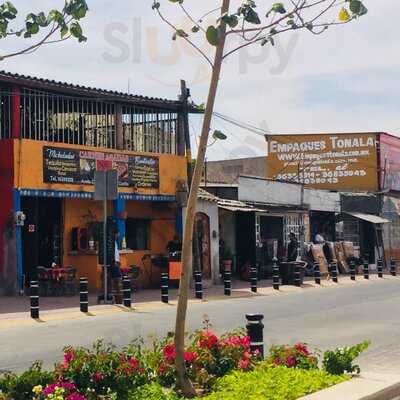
340	360
153	391
272	383
19	387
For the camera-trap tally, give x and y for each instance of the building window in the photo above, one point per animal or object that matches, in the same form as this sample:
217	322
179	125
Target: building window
137	234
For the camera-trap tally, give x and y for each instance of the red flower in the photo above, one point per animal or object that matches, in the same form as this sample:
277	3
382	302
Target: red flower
302	348
190	356
244	364
97	377
208	340
133	363
169	352
163	368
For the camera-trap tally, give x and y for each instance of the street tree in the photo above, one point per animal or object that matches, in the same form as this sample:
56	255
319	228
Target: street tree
254	26
42	28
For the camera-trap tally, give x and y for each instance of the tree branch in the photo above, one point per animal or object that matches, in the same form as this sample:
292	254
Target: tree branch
175	29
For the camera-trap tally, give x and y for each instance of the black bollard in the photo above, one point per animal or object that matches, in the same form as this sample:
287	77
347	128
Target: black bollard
317	274
393	268
297	281
334	272
380	268
227	283
83	295
352	271
253	279
275	274
198	285
164	287
127	292
255	329
366	268
34	295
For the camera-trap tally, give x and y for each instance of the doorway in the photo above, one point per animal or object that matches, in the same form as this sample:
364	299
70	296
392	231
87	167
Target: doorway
41	234
202	245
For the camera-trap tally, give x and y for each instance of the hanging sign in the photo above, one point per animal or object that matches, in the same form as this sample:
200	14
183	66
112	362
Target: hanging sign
71	166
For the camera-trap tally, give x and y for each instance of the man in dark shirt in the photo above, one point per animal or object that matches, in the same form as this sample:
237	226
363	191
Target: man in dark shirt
174	245
292	248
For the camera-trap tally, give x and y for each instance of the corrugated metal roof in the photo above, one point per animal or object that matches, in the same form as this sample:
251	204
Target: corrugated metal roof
374	219
206	196
40	83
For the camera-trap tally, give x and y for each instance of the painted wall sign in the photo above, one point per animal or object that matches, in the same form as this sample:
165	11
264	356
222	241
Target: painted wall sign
61	165
326	161
390	162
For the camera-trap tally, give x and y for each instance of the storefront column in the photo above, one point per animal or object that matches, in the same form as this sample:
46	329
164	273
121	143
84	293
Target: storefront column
18	239
119	211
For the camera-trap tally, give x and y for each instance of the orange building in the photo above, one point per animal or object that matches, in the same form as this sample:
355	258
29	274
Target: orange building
53	137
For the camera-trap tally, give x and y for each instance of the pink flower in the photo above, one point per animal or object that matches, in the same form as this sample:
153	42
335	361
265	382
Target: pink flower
190	356
50	389
290	361
244	364
169	353
69	356
237	341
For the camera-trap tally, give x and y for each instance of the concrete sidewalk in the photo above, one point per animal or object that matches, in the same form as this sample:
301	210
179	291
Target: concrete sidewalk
14	312
368	386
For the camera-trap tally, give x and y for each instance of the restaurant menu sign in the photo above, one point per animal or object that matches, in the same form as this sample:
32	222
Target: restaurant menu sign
326	161
78	167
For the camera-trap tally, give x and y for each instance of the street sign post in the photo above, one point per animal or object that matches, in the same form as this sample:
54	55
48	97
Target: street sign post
105	188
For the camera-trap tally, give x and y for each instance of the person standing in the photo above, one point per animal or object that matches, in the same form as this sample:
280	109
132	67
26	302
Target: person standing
116	274
292	248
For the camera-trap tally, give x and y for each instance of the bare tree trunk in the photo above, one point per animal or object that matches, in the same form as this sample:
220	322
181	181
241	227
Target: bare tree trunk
183	381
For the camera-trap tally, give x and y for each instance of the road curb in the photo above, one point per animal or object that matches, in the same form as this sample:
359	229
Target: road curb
368	386
389	393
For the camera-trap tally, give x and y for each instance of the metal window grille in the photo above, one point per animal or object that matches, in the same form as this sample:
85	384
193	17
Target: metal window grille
90	122
149	130
5	113
62	119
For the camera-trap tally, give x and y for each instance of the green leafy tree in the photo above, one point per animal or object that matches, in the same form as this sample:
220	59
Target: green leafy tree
44	27
255	25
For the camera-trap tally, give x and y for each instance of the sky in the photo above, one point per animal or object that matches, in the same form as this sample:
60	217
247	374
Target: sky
346	80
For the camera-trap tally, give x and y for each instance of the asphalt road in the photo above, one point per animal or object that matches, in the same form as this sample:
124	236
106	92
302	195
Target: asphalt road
324	318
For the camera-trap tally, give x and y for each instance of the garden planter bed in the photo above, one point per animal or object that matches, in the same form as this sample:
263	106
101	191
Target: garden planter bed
221	368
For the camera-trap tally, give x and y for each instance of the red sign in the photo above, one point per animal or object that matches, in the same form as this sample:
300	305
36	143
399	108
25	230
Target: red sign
104	165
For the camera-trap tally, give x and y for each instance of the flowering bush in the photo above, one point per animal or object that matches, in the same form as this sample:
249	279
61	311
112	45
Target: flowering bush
57	391
102	371
297	356
208	357
135	372
19	387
